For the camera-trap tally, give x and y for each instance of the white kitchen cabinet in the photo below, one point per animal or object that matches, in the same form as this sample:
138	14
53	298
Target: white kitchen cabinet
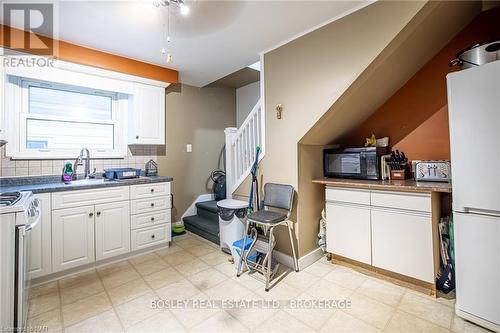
147	115
79	198
112	229
150	219
146	237
348	231
402	200
149	190
41	240
150	205
72	237
388	230
402	242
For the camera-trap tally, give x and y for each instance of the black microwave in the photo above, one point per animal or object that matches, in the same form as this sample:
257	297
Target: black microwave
356	163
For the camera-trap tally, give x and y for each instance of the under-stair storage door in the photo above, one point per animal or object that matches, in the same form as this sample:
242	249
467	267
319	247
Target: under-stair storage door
112	229
402	242
72	237
147	121
348	231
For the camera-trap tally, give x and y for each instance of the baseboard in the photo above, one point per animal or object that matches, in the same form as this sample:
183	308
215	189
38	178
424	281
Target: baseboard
476	320
192	208
304	261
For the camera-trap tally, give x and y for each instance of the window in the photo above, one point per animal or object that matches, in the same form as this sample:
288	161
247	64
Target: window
58	120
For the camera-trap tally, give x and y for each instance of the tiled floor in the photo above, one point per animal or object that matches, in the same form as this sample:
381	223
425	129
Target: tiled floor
119	298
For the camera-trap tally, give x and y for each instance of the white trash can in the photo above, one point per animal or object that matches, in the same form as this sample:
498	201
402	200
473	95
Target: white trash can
232	219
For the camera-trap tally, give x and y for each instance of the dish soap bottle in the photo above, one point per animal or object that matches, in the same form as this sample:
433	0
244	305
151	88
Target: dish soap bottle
67	175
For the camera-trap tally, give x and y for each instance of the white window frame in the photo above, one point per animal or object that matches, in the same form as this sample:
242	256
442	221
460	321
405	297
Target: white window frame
17	108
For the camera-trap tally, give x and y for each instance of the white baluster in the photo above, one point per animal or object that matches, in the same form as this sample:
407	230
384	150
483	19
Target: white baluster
230	175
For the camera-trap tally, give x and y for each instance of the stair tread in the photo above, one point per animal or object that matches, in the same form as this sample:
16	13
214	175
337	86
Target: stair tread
208	236
202	223
211	206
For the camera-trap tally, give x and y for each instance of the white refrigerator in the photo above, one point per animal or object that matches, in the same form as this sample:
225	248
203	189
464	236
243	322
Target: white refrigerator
474	118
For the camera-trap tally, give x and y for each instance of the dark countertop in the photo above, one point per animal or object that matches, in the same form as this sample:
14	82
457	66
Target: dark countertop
44	184
408	185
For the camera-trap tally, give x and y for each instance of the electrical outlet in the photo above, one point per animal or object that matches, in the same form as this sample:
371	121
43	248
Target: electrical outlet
189	148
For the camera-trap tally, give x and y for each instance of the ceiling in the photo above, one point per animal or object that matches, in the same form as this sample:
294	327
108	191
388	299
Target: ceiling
216	38
237	79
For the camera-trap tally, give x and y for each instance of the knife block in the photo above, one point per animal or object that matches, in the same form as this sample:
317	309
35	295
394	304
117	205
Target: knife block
400	174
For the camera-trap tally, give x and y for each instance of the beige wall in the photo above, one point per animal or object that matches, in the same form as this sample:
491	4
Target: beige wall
307	75
197	116
246	98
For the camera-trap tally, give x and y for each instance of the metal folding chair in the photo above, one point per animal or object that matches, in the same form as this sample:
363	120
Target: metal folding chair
278	197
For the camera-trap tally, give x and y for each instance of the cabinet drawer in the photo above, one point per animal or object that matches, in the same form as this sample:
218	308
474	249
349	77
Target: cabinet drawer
149	190
348	195
89	197
401	200
146	237
150	219
150	205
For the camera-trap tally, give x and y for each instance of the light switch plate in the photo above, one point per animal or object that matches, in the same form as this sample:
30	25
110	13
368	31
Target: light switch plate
189	148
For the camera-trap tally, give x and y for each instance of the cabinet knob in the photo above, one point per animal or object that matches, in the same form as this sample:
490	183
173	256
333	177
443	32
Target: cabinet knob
152	219
91	214
152	236
137	137
98	213
152	204
152	190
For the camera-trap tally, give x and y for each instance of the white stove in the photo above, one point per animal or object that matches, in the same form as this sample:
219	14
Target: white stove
19	214
14	202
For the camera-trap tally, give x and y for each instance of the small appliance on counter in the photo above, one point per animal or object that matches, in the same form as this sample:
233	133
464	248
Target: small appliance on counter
398	164
122	173
355	163
432	171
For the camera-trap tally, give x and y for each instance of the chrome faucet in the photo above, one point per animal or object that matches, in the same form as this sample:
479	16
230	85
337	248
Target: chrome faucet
79	161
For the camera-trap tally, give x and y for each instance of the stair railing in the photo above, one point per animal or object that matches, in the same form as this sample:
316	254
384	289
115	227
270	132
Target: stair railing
240	148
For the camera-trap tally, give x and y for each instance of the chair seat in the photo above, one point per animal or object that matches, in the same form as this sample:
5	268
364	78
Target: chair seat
267	216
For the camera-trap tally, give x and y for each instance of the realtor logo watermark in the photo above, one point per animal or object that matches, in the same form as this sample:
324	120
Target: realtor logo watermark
36	46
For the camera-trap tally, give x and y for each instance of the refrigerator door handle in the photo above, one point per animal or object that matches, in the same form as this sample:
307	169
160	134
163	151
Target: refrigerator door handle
481	211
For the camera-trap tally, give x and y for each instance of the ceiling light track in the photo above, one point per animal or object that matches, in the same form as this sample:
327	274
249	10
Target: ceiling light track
184	9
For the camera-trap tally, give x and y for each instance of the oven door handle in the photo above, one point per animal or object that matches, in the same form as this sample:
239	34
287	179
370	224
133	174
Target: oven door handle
34	221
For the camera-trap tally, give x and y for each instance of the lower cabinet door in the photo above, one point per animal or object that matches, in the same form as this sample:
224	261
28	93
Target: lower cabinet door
41	240
348	231
72	237
112	229
402	243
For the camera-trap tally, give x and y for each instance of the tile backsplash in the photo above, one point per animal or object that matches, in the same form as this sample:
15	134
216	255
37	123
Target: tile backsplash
137	157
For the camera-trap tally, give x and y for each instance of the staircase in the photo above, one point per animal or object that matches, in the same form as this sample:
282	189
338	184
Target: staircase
206	221
240	148
240	155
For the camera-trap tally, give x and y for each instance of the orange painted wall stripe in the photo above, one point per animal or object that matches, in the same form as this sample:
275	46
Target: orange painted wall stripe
86	56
